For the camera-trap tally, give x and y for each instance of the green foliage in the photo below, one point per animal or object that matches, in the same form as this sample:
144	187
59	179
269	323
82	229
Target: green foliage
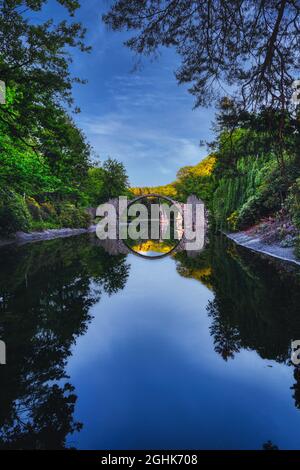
35	52
94	185
106	182
232	221
14	215
245	179
249	180
48	211
255	169
41	149
249	213
22	168
293	202
196	180
34	209
57	169
65	150
59	162
72	217
115	179
19	214
44	157
168	190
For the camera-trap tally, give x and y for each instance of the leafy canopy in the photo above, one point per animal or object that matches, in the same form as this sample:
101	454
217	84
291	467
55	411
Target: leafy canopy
249	45
35	56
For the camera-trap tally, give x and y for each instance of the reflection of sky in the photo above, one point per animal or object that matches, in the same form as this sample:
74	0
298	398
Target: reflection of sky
147	376
143	118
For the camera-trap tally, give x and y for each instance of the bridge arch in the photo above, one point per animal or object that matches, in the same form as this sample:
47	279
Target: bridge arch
159	196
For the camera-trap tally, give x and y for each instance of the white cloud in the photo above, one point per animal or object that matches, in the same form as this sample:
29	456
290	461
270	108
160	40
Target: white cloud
151	153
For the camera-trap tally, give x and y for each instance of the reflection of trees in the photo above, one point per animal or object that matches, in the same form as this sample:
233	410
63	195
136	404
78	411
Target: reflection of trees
196	267
296	387
46	292
256	304
226	336
41	419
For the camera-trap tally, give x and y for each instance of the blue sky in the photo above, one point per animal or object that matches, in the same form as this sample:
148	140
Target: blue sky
142	118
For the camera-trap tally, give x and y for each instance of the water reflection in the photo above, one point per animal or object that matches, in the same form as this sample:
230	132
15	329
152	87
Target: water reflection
145	247
47	291
256	302
155	226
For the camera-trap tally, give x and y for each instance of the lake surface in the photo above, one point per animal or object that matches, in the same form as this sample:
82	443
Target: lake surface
120	352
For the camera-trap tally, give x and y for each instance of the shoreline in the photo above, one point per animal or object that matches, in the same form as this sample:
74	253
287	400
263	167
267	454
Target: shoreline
21	238
240	238
255	244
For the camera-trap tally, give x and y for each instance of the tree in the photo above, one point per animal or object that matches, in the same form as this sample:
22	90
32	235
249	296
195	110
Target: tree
241	133
60	161
94	185
197	180
250	45
35	58
35	53
115	180
64	147
105	182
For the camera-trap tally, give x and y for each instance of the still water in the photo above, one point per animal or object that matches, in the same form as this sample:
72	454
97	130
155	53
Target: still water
119	352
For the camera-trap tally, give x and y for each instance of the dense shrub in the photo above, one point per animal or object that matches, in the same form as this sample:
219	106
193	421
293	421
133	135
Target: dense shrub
249	213
48	211
232	221
257	189
72	217
34	208
14	214
236	188
293	203
262	204
44	212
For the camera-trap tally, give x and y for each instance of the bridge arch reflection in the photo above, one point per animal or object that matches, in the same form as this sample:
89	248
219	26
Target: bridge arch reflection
159	226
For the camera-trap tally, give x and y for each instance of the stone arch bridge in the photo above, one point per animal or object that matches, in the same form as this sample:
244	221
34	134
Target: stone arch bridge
115	247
